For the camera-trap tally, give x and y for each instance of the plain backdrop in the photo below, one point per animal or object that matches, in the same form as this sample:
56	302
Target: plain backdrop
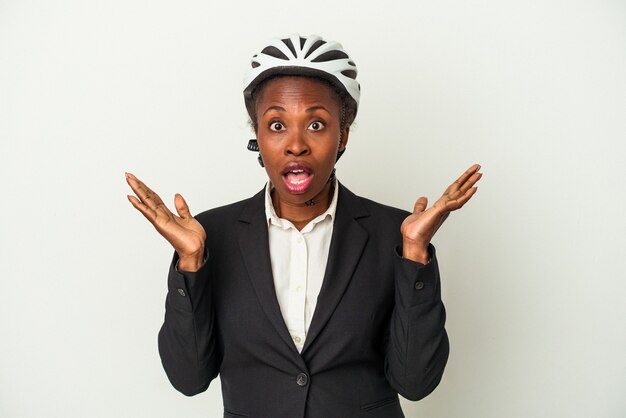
533	268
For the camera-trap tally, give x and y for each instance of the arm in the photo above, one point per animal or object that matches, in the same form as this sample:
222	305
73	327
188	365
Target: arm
187	342
187	338
417	349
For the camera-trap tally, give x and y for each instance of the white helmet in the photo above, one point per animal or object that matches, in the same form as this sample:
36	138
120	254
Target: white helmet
308	56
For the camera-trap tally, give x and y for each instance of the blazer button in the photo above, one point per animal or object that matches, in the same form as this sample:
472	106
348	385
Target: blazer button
302	379
419	285
181	292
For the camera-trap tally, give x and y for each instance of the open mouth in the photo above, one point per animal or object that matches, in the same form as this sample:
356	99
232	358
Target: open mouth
297	177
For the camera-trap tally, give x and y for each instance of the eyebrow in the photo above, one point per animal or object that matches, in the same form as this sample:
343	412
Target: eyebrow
278	108
314	108
282	109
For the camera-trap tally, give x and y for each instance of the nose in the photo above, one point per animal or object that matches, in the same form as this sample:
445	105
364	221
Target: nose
296	145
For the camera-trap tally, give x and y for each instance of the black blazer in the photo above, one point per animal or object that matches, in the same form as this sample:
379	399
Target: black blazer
378	327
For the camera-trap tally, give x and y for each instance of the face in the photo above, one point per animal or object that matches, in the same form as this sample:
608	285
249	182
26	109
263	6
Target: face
299	135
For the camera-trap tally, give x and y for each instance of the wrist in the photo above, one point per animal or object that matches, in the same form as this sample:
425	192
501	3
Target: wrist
415	252
191	263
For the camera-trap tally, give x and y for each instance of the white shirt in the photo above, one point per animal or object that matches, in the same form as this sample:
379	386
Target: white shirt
299	261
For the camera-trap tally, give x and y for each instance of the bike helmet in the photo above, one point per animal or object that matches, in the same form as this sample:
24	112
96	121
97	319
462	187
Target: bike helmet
303	55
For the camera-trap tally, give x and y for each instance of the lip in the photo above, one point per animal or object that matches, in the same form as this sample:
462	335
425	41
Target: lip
297	165
302	185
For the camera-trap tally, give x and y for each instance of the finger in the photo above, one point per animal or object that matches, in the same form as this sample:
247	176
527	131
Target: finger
149	213
181	206
420	204
137	185
470	182
464	177
147	196
458	203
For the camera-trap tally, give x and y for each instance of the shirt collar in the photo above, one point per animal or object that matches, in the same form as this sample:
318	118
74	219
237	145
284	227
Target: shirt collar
273	219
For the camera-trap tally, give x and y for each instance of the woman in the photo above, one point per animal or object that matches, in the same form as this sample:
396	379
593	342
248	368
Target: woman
308	301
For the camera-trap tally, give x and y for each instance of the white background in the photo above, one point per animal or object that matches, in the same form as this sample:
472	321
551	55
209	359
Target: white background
532	268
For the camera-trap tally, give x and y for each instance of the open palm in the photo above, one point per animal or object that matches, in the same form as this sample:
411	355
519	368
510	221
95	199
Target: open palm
420	226
184	232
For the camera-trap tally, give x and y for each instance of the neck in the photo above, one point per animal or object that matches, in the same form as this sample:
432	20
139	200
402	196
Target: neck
300	214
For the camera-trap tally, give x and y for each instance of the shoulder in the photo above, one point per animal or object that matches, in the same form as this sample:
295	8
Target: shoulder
375	211
224	215
383	210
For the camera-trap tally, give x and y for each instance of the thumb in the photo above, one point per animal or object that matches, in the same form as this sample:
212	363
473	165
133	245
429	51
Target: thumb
420	205
181	206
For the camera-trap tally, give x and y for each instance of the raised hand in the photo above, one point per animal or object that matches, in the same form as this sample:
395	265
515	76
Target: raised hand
419	228
184	232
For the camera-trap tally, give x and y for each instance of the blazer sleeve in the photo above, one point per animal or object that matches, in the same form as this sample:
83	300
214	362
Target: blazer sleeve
187	341
417	347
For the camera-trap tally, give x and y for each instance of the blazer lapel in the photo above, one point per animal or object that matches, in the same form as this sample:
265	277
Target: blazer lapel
346	246
254	245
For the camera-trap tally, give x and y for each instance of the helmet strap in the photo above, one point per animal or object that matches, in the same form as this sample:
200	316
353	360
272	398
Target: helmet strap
342	123
253	145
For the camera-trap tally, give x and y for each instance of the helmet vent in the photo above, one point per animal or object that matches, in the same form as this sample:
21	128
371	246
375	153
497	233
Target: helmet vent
349	73
306	56
330	56
290	46
316	45
275	52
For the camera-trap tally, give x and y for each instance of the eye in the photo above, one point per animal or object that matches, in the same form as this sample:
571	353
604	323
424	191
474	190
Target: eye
316	126
277	126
